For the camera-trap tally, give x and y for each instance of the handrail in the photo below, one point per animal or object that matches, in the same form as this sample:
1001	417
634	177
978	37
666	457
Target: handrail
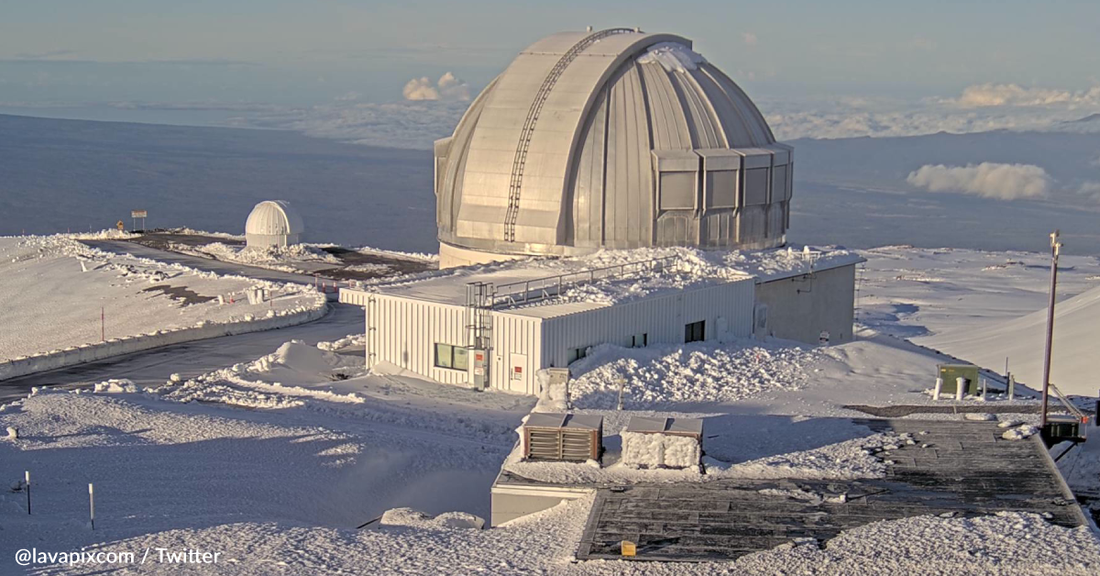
538	289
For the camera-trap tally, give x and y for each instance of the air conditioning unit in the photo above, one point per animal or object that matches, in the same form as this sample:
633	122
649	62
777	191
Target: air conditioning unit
662	442
568	437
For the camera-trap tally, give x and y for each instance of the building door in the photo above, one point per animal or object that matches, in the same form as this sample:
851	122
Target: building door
518	378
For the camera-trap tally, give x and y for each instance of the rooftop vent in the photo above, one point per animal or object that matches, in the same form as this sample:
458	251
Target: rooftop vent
569	437
663	442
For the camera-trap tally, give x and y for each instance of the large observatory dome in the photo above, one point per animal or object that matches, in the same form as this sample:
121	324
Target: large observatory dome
273	223
611	139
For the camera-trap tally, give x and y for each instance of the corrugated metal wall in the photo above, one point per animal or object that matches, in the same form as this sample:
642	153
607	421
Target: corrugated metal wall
404	332
663	318
516	337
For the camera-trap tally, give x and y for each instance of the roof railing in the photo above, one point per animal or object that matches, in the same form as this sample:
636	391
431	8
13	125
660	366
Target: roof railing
539	289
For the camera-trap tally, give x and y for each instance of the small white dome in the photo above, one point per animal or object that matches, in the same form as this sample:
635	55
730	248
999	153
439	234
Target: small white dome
273	223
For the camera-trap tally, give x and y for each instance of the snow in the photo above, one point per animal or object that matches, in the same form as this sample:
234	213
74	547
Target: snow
986	307
44	285
673	56
1021	432
274	460
416	519
1073	368
663	375
649	450
294	258
691	268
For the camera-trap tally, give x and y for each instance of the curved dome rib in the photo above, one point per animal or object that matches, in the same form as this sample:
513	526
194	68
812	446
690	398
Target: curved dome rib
537	103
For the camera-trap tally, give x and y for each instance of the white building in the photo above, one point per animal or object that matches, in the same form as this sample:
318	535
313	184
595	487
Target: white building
593	141
273	223
495	327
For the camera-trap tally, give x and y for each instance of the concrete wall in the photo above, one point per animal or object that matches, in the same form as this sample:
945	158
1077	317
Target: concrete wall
454	256
801	307
508	502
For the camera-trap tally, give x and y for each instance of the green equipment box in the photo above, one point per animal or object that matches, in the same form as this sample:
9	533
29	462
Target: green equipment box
950	372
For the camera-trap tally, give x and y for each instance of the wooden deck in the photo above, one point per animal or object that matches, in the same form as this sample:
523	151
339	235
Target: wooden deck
967	469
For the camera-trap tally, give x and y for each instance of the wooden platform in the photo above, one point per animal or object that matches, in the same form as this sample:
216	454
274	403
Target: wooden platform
967	469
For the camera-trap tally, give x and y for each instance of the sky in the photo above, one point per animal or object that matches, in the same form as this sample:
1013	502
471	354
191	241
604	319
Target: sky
307	53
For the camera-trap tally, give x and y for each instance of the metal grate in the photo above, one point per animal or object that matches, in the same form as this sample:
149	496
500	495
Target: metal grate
562	444
520	160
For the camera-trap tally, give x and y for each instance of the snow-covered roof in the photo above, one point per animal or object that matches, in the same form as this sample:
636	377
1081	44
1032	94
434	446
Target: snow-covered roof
274	218
693	268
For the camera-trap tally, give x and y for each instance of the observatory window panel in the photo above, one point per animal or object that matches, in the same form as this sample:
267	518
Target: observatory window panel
576	354
779	182
722	189
678	190
639	340
756	186
695	332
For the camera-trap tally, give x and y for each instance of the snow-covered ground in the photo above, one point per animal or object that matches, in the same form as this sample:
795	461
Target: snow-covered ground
985	307
57	292
273	461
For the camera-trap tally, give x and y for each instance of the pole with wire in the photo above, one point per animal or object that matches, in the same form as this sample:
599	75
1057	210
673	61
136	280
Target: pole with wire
1055	249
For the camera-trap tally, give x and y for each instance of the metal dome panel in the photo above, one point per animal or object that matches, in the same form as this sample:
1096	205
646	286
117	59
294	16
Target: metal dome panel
556	155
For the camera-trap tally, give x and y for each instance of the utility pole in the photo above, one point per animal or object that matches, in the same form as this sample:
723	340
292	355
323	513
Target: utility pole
1055	248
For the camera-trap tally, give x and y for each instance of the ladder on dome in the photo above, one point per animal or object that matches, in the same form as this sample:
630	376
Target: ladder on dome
525	133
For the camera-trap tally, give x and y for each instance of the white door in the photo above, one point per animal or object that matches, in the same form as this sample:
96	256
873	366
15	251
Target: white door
518	378
721	328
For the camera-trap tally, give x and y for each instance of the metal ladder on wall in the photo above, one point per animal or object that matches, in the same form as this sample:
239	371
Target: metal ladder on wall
520	160
479	320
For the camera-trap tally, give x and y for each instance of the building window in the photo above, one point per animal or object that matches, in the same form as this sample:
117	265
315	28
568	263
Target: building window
576	354
639	340
452	357
695	332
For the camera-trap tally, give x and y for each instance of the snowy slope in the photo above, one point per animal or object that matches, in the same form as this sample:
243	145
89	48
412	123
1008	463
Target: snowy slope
55	292
1076	353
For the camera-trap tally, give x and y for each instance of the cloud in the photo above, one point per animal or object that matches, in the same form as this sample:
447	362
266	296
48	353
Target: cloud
43	55
984	95
749	38
1090	190
988	180
447	88
395	125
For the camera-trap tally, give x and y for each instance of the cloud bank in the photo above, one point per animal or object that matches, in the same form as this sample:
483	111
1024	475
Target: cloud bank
448	87
986	95
988	180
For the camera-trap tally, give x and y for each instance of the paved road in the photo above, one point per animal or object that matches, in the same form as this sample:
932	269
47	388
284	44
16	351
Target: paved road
152	367
207	264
